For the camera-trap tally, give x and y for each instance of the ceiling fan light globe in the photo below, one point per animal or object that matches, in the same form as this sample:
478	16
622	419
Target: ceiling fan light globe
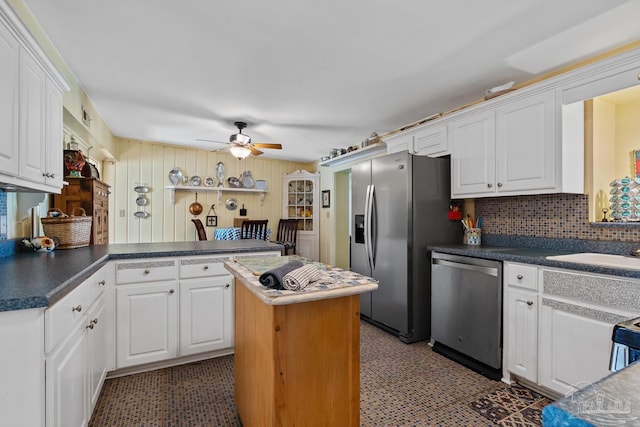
239	152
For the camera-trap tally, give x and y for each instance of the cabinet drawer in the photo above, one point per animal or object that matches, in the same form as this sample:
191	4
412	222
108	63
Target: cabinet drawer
522	276
96	284
203	267
146	271
60	318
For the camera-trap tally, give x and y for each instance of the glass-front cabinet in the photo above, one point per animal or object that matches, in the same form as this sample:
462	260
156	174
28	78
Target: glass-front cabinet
301	201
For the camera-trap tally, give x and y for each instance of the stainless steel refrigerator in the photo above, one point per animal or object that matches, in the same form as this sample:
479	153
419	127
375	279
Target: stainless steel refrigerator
400	205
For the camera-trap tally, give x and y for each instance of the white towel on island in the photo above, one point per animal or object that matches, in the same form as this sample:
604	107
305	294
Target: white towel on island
300	278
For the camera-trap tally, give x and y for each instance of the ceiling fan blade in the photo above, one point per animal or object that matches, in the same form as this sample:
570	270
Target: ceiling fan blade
254	151
212	140
266	145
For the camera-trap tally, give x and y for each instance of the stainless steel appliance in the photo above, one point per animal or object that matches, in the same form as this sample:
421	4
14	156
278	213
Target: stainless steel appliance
400	204
466	311
626	344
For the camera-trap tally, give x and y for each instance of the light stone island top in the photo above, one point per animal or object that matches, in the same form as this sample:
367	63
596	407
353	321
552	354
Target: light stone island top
334	282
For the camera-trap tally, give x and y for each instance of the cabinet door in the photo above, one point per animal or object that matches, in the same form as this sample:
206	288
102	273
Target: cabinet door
9	101
97	350
206	314
522	333
66	384
399	142
574	350
473	165
54	137
146	323
526	144
32	119
431	140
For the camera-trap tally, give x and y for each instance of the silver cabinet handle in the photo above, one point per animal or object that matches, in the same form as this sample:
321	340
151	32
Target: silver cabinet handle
227	286
171	291
102	282
205	268
146	272
77	308
89	326
489	185
499	184
520	277
95	321
529	303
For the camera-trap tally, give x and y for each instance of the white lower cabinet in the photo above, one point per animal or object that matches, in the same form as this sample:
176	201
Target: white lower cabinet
66	382
559	323
522	333
206	314
147	320
76	353
574	349
173	308
98	351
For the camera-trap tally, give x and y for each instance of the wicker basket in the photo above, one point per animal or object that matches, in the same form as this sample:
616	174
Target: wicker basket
70	231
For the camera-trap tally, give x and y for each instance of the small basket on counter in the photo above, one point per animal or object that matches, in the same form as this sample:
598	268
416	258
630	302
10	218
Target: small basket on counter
70	231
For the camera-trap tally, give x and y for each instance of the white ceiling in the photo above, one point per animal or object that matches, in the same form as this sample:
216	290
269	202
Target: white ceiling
312	75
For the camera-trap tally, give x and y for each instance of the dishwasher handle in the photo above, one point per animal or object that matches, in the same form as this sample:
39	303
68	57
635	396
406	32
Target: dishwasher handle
491	271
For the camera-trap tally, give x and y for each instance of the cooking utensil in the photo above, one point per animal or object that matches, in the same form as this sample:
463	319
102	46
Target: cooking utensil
231	204
209	181
141	189
141	214
175	176
142	201
234	182
195	208
247	179
220	173
195	181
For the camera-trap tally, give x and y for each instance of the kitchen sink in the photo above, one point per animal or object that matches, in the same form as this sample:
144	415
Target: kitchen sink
605	260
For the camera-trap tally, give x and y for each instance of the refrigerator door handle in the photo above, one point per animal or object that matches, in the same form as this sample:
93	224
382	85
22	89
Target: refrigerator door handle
367	226
373	232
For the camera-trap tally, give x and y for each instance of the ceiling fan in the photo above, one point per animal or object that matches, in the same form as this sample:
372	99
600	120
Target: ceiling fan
240	144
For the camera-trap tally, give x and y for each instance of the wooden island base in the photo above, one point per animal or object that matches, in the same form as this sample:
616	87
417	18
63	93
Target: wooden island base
297	364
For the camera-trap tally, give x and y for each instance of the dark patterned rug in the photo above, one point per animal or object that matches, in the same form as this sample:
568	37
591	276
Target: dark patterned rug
512	406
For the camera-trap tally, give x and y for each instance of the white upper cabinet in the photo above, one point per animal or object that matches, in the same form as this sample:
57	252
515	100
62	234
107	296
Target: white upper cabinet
431	140
32	119
473	154
425	140
31	140
512	149
526	144
9	80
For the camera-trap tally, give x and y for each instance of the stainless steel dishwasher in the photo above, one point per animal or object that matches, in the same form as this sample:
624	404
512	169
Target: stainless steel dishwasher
466	311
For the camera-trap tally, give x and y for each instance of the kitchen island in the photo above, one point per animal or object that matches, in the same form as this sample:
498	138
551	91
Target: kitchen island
297	354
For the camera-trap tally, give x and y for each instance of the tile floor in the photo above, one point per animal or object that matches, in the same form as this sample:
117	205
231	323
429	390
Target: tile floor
401	385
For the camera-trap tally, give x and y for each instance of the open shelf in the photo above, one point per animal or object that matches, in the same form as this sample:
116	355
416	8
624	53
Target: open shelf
173	188
354	155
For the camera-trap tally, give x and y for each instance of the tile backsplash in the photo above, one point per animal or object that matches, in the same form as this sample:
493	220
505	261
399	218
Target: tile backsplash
3	215
562	216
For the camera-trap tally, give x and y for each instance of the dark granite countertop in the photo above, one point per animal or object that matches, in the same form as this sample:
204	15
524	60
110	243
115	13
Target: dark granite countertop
533	250
32	280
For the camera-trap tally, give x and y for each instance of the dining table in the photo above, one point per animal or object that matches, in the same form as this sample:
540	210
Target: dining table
232	233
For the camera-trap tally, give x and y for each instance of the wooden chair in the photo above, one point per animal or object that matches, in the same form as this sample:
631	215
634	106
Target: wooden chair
287	235
254	229
202	233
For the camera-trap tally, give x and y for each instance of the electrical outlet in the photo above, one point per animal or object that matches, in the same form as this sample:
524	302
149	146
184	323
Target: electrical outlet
3	224
122	213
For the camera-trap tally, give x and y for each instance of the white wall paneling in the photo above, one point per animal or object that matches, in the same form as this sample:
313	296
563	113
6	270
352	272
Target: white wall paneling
146	163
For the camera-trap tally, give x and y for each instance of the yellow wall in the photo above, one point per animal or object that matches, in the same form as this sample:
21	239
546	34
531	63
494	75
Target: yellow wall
147	163
627	136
